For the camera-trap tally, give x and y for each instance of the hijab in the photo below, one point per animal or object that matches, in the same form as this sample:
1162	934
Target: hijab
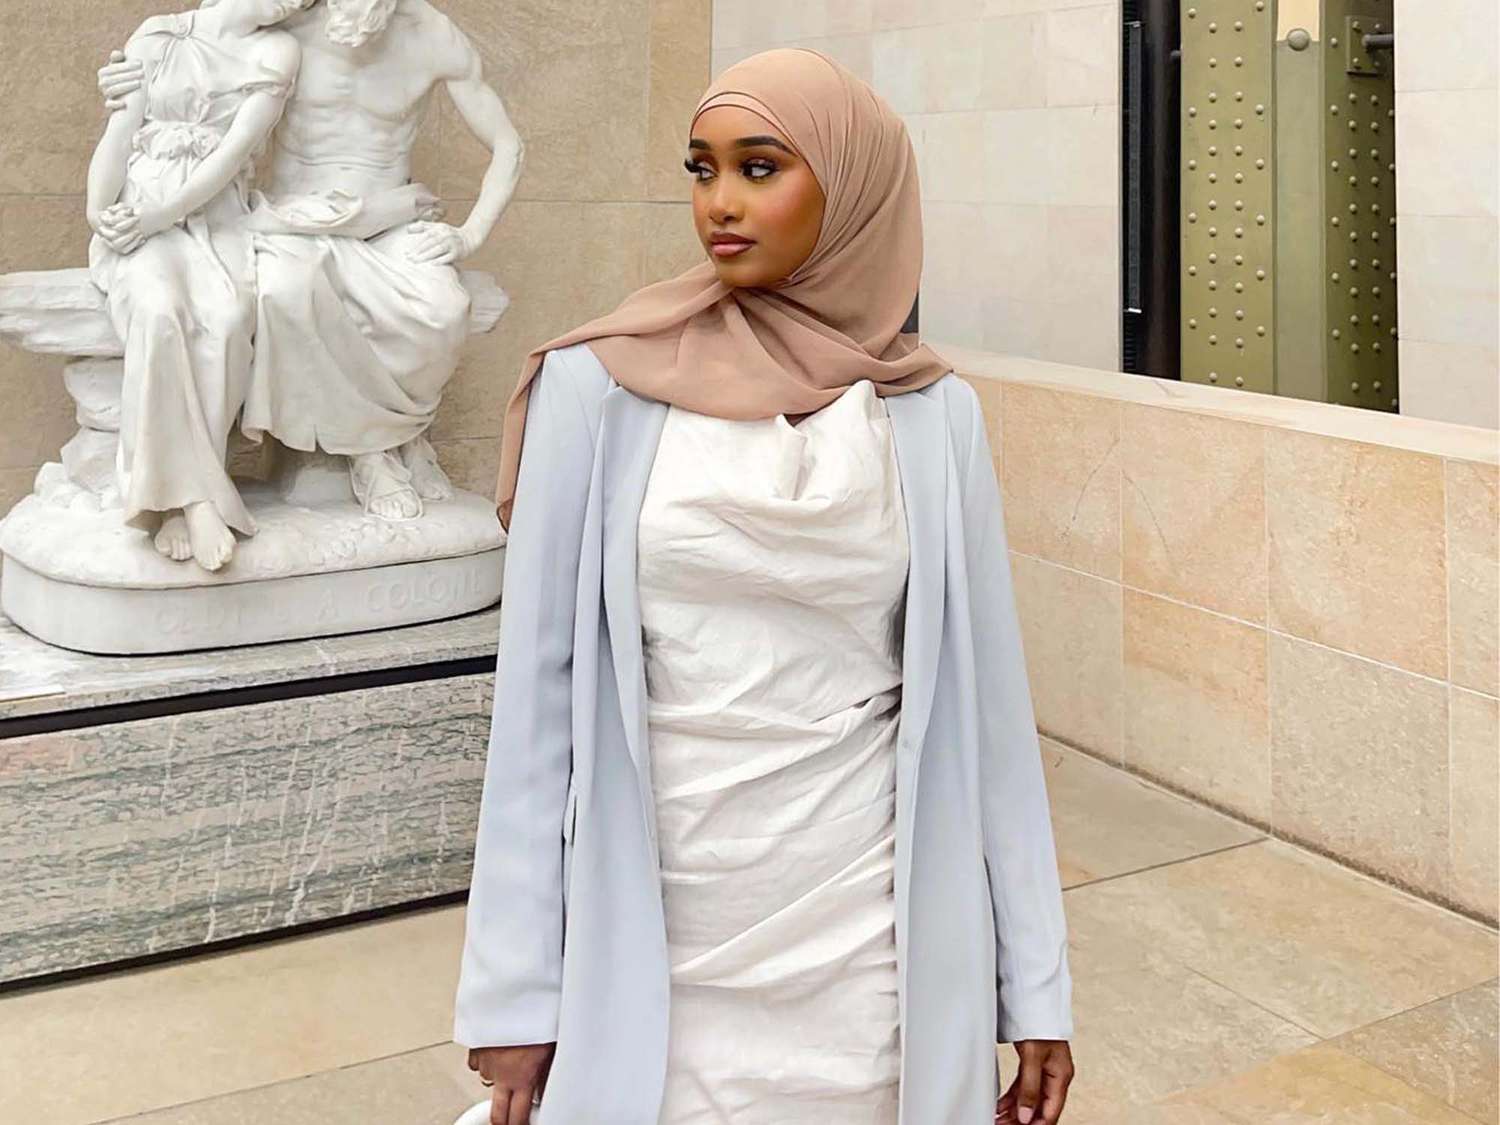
748	353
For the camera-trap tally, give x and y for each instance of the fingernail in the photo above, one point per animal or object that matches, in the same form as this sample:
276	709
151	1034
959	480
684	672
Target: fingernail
1024	1113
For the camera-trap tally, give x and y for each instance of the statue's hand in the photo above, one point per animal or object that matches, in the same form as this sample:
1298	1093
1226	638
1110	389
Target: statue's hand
119	225
438	244
119	77
125	226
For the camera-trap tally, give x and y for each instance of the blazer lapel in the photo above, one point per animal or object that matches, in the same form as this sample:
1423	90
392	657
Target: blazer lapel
630	428
630	431
919	424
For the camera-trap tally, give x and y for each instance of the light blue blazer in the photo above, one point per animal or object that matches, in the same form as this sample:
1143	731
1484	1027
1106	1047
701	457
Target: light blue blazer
566	938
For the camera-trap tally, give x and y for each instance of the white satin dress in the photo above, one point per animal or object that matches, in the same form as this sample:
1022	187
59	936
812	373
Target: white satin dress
772	568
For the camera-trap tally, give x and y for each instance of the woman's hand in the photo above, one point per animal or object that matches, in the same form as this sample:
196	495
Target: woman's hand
1036	1096
118	77
518	1074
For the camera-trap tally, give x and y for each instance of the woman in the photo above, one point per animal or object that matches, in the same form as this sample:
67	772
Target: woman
167	192
735	623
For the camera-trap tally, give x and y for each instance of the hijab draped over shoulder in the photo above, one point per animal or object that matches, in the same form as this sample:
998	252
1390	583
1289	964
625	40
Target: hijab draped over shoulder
750	353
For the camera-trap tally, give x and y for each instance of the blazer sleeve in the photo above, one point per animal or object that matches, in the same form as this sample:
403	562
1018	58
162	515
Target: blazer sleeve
510	975
1034	985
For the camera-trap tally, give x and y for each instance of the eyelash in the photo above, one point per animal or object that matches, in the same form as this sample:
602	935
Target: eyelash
695	166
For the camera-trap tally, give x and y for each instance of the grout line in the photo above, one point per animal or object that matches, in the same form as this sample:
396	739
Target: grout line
1165	863
1297	843
1254	1003
1403	1079
1251	624
1423	1004
1162	786
140	1114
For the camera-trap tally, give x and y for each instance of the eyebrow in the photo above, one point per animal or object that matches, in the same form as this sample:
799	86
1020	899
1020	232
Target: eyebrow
744	142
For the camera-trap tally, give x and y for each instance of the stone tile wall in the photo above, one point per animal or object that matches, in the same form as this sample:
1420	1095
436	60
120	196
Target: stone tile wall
1290	615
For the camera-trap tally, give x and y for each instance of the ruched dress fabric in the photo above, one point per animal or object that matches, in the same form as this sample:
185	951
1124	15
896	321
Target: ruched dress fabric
772	567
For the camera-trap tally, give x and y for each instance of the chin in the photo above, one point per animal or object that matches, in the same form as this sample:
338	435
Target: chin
740	275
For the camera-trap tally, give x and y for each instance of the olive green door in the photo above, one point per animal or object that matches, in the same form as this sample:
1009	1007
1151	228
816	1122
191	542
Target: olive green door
1288	199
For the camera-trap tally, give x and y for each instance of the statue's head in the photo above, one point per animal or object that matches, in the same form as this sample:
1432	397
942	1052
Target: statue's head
352	23
266	12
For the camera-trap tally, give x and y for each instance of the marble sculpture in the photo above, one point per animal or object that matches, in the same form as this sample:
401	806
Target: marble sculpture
324	307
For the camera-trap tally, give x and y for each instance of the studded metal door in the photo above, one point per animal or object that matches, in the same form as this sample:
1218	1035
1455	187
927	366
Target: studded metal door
1359	195
1228	193
1288	199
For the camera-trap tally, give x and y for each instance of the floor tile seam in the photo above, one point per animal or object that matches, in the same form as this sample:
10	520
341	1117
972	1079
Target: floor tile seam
1424	1004
1398	1078
1163	864
1318	1037
1333	1041
1166	1098
1320	1040
265	1085
1296	842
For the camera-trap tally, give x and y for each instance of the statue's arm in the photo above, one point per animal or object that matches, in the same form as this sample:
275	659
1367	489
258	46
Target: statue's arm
107	167
341	214
484	113
252	125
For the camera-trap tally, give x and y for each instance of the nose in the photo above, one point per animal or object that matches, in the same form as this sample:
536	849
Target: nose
724	203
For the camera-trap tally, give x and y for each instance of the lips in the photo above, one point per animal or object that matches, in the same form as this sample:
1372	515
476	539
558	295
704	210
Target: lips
726	245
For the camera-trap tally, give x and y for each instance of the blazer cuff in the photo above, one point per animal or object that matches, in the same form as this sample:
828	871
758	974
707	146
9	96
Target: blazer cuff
537	1023
1042	1013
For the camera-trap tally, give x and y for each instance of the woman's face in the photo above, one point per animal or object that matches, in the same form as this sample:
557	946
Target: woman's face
757	206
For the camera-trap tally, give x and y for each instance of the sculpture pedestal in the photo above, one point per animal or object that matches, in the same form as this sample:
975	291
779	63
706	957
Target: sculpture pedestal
79	578
172	803
74	575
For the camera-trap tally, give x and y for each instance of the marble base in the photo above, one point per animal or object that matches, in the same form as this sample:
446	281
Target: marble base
79	578
162	804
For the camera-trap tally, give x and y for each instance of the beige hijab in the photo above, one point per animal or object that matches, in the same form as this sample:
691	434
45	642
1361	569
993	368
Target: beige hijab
792	349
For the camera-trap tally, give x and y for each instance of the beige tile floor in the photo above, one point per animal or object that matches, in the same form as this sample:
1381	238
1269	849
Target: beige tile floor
1220	978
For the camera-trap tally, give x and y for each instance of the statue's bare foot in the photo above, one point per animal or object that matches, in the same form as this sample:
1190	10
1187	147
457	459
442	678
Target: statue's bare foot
213	541
383	485
172	538
427	476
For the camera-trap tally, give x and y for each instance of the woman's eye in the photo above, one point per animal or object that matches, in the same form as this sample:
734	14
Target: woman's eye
757	169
